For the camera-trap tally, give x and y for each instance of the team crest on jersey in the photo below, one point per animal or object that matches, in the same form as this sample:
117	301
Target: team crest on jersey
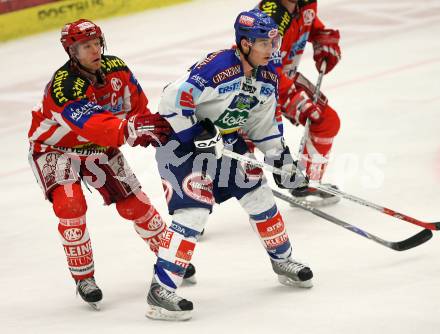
308	16
116	84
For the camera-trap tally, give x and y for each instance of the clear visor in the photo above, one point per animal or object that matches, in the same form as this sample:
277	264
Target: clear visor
268	44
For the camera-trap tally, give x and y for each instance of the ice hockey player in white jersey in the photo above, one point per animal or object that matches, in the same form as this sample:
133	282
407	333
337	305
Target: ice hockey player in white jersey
228	90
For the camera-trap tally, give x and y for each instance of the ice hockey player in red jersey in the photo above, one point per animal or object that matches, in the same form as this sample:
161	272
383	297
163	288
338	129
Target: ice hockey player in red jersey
92	105
299	23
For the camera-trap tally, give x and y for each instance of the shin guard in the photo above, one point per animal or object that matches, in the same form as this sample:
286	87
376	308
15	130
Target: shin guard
147	221
70	207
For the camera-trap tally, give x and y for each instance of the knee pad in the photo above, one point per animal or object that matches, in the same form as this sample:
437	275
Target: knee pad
68	201
330	125
134	206
258	200
194	218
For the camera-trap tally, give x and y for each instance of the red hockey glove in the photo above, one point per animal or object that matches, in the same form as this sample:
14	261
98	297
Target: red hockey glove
300	107
147	129
326	48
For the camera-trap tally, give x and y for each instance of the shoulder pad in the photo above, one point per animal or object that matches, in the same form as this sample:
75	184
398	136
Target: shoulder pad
208	59
112	64
217	67
278	13
268	74
303	3
67	86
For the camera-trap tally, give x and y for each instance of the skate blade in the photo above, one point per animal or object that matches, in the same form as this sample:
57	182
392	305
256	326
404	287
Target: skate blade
159	313
318	202
96	306
290	282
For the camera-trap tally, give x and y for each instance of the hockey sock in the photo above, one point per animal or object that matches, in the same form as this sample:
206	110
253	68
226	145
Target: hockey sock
272	232
70	207
177	246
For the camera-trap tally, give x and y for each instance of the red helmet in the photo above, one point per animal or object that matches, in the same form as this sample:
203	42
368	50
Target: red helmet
80	31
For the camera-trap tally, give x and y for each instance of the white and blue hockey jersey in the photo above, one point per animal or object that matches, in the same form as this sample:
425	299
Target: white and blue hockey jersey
216	88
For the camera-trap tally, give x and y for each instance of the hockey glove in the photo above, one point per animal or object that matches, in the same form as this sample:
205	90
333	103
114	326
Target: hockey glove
286	162
326	48
300	107
210	140
146	129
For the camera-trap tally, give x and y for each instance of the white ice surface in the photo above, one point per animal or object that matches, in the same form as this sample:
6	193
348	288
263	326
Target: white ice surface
387	92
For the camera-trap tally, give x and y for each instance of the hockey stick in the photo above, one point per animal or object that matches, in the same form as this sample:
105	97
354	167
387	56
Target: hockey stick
314	99
413	241
392	213
333	191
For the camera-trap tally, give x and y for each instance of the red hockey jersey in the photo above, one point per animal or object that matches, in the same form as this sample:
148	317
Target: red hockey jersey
297	29
76	114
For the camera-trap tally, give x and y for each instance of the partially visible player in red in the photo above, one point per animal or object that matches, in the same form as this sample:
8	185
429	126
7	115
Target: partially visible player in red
92	105
299	23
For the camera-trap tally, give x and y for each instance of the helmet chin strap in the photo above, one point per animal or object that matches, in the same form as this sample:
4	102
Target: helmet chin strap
246	56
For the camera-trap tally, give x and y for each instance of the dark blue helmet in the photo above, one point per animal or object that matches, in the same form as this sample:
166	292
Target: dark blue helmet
254	24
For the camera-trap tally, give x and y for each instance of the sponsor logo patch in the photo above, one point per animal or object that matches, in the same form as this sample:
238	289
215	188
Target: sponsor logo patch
229	88
185	250
269	76
79	112
199	187
246	20
85	25
237	113
270	228
186	99
199	80
58	87
229	72
155	223
276	242
73	234
166	239
181	264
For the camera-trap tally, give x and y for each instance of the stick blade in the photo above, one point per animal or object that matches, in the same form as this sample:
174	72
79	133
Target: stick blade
414	241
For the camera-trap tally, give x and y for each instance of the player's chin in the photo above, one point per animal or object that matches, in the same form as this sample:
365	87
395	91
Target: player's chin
96	64
264	61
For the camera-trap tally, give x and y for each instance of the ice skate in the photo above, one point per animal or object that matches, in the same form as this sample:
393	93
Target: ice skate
164	304
89	292
293	273
190	275
314	197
